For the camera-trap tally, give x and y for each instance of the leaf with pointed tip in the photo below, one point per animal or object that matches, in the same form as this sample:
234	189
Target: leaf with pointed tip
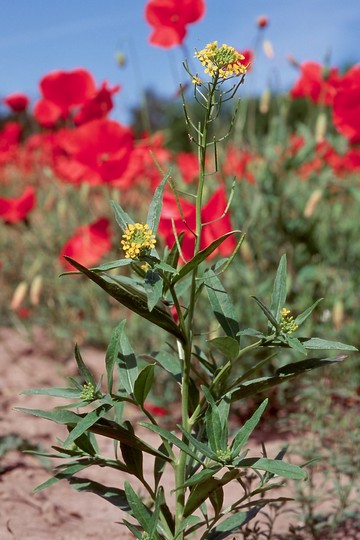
133	457
126	362
202	490
251	332
324	344
139	510
83	369
112	354
143	383
153	285
201	256
275	466
86	422
111	265
122	218
173	439
155	207
70	393
231	524
132	298
305	314
245	432
269	315
112	495
66	472
278	297
221	304
295	344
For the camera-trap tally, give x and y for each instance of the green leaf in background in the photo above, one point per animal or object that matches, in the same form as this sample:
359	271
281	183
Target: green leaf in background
83	369
126	362
155	207
221	304
275	466
144	383
201	256
278	297
242	437
133	299
122	218
112	352
227	345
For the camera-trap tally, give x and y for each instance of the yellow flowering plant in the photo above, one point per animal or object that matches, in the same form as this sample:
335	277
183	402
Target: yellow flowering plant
200	450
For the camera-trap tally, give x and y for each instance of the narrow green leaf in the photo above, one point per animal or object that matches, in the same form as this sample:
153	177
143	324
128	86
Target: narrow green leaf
86	422
305	314
122	218
139	510
84	371
133	457
171	438
278	297
227	345
112	354
159	465
245	432
295	344
251	332
275	466
201	476
67	471
159	502
201	256
70	393
307	365
269	315
112	495
221	304
155	207
111	265
153	285
217	499
132	298
143	383
324	344
202	490
126	362
231	524
167	361
199	445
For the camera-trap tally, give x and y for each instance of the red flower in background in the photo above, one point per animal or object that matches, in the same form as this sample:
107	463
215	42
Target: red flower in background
188	165
9	140
88	244
212	230
96	152
97	106
316	83
61	92
17	102
169	19
236	164
248	60
16	209
346	107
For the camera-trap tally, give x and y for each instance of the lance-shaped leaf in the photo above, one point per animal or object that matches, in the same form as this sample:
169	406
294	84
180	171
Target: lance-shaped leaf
201	256
132	298
203	490
243	435
133	457
155	207
69	393
221	304
286	373
173	439
301	318
231	524
112	265
324	344
138	509
269	315
86	422
122	218
143	383
112	495
112	354
278	297
104	427
83	369
275	466
153	285
126	362
227	345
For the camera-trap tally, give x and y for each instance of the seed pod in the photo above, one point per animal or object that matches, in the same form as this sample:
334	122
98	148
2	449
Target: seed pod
338	315
35	290
312	203
19	295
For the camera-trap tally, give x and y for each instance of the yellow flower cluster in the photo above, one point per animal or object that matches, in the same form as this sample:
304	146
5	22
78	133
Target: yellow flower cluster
224	61
287	323
137	240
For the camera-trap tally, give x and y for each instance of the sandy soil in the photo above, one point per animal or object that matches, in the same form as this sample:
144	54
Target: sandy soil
59	512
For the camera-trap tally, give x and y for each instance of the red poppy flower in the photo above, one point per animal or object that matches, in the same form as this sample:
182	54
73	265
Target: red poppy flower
88	244
61	92
316	83
262	21
236	164
248	60
97	152
97	106
17	208
188	165
346	107
214	225
169	19
17	102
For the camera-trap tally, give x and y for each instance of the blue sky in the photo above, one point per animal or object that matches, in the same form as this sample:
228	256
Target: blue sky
39	36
